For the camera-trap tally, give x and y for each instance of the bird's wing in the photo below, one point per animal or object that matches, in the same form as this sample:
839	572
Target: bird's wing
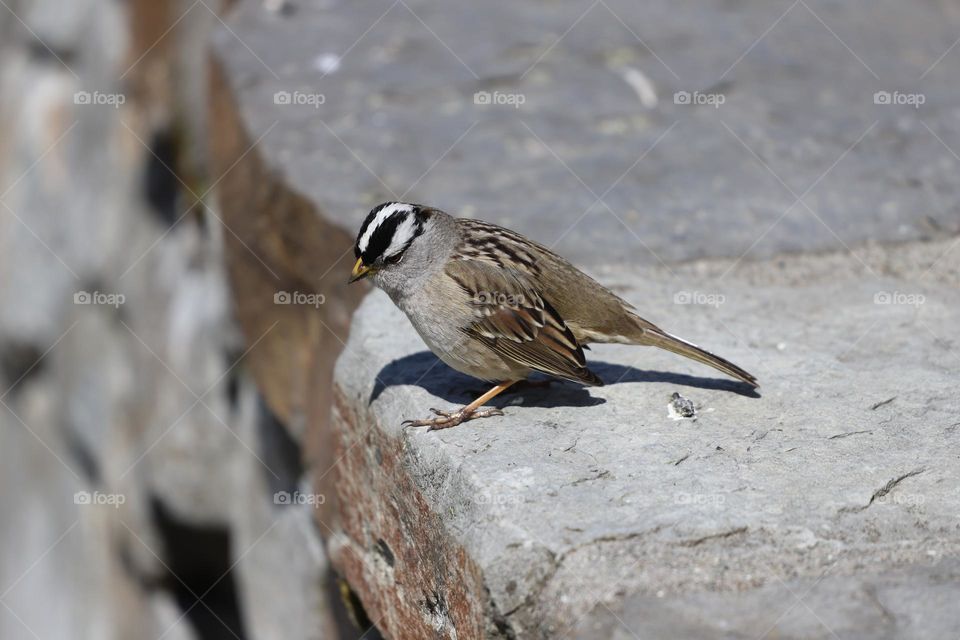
591	318
514	320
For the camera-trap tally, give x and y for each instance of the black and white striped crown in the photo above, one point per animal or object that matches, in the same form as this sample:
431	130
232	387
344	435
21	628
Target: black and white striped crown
388	230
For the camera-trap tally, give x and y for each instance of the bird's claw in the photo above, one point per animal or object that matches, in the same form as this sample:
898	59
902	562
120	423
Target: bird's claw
448	419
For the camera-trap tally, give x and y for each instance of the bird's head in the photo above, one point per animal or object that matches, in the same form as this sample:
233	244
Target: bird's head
386	237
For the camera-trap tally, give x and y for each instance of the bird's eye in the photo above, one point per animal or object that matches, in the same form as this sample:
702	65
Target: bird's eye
394	259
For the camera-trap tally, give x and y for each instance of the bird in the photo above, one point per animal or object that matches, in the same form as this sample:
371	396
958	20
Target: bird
498	306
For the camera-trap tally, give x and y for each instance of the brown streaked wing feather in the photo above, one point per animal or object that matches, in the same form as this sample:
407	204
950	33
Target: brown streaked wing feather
514	320
601	313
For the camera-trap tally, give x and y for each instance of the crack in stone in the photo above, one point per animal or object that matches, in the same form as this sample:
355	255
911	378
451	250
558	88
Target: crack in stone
884	490
882	403
596	476
714	536
847	434
558	560
676	463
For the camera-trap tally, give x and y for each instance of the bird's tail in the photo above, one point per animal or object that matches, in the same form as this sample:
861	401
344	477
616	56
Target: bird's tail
664	340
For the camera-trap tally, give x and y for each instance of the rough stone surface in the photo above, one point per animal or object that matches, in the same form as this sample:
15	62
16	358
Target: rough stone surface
593	513
677	181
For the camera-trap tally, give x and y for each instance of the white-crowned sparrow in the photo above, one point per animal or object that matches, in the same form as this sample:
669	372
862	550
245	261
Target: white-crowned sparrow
497	306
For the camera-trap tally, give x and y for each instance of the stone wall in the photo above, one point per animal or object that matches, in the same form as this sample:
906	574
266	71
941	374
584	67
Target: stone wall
155	397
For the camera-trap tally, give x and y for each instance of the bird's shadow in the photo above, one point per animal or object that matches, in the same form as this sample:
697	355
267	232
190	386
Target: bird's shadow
425	370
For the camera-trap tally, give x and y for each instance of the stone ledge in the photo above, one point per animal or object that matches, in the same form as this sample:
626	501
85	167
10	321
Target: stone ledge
399	117
579	503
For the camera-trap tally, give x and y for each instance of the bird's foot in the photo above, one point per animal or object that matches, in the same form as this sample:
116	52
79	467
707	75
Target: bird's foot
447	419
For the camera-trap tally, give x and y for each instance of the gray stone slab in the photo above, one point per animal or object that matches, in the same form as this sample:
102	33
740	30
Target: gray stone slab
578	503
598	118
281	567
878	605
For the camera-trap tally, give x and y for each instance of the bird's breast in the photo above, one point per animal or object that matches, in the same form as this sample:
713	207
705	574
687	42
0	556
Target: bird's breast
441	319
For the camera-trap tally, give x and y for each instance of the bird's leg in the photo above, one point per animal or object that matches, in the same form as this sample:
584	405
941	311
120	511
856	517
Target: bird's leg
447	419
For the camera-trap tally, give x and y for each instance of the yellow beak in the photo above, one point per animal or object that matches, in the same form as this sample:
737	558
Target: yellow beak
360	271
